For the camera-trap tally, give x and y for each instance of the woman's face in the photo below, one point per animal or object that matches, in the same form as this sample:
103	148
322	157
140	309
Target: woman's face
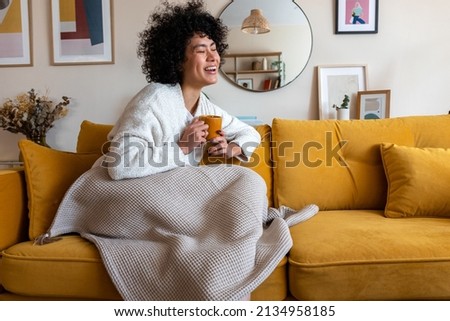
202	62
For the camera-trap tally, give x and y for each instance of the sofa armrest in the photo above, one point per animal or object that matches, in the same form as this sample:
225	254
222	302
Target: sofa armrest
13	207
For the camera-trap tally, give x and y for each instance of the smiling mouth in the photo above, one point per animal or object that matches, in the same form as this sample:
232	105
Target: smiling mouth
213	68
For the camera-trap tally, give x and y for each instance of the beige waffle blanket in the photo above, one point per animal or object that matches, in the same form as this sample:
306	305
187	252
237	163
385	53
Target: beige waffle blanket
191	233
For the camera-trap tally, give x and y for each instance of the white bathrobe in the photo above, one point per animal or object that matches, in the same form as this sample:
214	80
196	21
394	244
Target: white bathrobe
144	139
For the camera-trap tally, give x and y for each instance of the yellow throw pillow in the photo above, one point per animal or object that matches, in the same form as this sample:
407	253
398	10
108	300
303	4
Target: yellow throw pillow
418	181
48	174
93	137
260	160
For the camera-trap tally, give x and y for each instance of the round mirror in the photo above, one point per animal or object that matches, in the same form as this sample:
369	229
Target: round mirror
270	43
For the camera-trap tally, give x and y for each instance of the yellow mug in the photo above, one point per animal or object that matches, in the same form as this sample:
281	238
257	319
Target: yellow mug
215	124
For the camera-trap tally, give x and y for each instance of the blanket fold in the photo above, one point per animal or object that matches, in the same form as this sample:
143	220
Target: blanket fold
191	233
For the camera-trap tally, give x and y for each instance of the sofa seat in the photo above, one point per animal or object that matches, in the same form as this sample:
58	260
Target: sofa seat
362	255
71	268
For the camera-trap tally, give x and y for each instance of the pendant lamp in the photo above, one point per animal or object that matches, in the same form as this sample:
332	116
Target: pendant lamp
255	23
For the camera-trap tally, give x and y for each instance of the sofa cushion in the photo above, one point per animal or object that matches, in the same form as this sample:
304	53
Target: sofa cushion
68	268
362	255
93	137
261	162
418	181
13	208
48	174
430	131
72	268
334	164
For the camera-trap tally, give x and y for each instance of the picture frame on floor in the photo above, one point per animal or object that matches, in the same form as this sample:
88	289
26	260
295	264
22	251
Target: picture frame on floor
15	33
82	32
373	104
336	81
356	16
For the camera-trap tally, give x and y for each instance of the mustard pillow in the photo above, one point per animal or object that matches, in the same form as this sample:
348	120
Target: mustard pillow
48	174
260	160
418	181
93	137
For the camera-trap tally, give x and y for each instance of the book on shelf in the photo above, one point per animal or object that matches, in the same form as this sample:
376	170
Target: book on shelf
276	84
267	84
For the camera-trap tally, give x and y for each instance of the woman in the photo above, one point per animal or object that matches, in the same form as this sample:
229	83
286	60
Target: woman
167	230
160	128
357	12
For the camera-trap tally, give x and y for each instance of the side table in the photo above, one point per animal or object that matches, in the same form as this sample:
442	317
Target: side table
10	164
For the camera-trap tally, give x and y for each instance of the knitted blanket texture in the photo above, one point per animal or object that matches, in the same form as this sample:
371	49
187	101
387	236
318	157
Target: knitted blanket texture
191	233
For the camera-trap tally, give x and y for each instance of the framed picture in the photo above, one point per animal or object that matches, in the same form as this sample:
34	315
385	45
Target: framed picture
15	33
373	104
356	16
82	32
246	83
334	82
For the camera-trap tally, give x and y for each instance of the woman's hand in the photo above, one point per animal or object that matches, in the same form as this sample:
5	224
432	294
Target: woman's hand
221	148
193	136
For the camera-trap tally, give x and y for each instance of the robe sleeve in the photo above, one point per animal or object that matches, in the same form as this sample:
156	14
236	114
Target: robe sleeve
142	141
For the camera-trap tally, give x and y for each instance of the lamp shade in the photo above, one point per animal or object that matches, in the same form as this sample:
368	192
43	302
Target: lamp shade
255	23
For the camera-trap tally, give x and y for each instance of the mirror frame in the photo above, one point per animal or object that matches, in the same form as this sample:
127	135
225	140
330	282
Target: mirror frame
293	78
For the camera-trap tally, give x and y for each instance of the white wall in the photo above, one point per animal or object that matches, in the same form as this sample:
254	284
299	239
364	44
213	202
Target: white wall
409	55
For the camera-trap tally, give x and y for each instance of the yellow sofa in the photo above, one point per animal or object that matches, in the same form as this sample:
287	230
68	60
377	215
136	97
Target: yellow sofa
382	233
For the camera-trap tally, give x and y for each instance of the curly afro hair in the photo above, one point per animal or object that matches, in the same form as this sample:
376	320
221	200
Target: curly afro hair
163	43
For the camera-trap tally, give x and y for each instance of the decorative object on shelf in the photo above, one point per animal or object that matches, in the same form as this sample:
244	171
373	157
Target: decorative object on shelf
336	80
15	30
256	65
356	16
264	63
281	67
32	115
255	23
251	120
246	83
373	104
343	113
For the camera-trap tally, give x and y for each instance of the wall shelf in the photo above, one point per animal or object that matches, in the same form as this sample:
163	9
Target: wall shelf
251	65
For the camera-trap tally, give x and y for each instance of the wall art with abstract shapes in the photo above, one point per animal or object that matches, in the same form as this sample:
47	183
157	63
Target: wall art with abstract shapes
82	32
15	39
373	104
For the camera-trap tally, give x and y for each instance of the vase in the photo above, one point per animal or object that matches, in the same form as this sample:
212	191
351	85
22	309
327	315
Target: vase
343	114
40	139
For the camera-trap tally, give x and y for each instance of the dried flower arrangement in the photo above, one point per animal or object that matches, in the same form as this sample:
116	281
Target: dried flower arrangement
32	115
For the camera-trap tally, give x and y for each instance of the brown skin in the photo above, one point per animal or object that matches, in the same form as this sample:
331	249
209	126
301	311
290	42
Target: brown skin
200	69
